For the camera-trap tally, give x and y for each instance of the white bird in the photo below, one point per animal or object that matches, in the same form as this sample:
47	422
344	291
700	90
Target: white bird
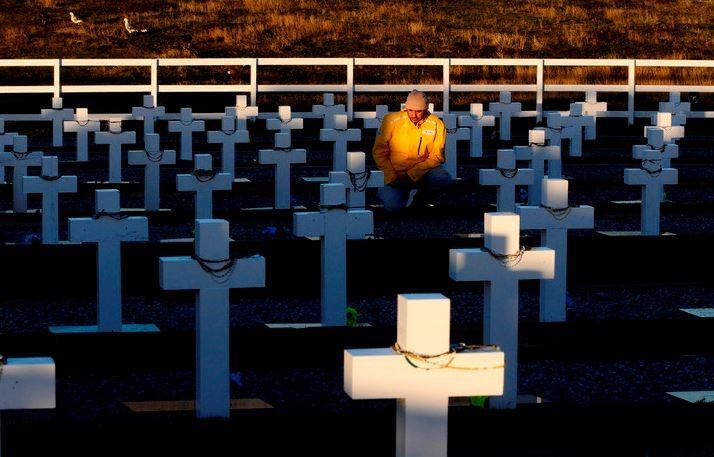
75	19
130	29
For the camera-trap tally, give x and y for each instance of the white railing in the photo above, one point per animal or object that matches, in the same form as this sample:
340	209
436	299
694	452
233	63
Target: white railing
349	88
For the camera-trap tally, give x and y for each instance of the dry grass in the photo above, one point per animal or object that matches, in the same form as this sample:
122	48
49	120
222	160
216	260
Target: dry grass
370	28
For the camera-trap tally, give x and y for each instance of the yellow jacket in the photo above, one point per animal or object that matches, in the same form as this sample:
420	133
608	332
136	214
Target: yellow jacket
403	148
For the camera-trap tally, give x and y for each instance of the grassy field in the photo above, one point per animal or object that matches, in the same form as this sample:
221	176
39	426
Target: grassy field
654	29
399	28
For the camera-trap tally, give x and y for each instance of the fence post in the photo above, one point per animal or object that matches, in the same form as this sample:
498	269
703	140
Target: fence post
631	91
254	82
155	80
350	88
56	78
540	87
446	67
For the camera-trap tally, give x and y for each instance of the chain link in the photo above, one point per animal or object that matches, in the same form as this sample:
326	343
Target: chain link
434	362
509	260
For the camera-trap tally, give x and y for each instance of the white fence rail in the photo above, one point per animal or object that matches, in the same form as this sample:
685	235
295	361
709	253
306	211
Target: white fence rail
350	89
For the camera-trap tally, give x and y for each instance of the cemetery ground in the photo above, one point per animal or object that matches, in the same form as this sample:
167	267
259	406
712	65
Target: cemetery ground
603	375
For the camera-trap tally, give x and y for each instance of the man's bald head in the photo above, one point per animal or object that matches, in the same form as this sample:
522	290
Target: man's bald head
416	100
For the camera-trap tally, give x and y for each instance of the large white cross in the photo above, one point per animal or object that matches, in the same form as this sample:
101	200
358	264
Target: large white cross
553	218
357	179
282	157
422	388
591	107
333	224
476	121
228	137
108	228
537	155
203	181
57	115
505	177
453	135
49	184
651	178
152	157
328	110
573	125
115	138
186	125
242	112
374	120
675	105
504	109
501	264
19	159
340	135
655	142
82	126
212	273
149	112
284	123
671	124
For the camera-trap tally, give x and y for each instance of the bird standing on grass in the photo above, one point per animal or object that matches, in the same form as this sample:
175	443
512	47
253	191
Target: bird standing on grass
75	19
129	28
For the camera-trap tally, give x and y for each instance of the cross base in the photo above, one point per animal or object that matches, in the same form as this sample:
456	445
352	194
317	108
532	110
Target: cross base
125	328
307	325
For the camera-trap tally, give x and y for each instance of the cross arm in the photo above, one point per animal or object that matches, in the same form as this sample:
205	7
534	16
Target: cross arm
185	273
480	265
35	184
309	224
539	218
493	177
88	229
360	222
638	176
383	373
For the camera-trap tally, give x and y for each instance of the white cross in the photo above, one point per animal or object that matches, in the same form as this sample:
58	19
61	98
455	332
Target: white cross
675	106
108	229
671	124
328	110
57	115
203	181
333	225
340	134
504	109
453	135
242	112
655	142
149	112
186	125
115	138
282	157
554	129
228	137
357	179
501	264
284	123
553	218
49	184
374	120
476	121
505	177
591	107
537	155
651	178
573	125
423	324
82	126
152	157
212	273
19	159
